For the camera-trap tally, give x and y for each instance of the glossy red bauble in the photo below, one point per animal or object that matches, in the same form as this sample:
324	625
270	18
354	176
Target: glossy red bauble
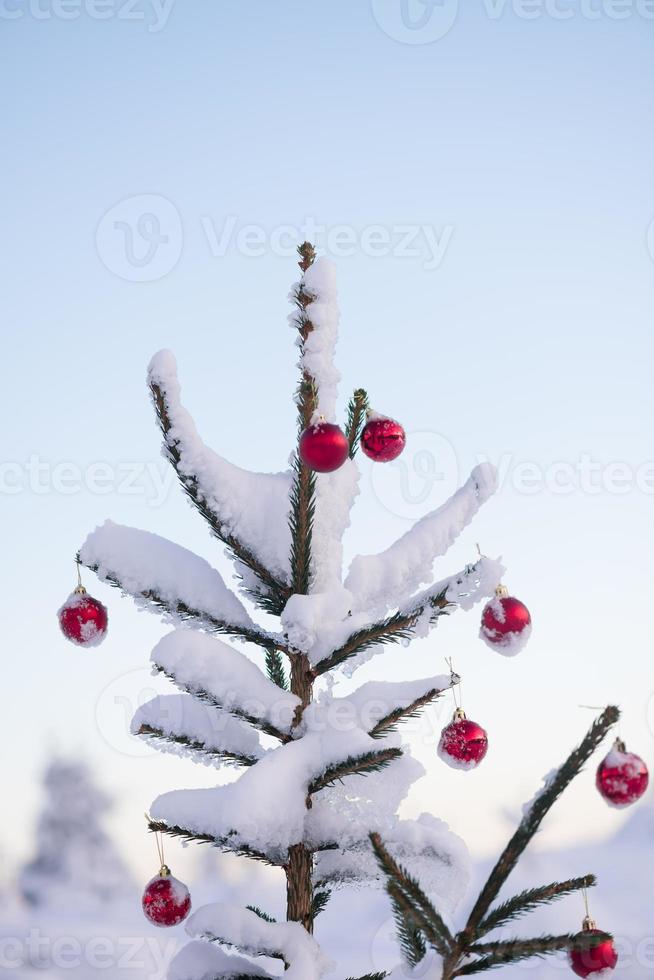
622	777
323	447
382	439
463	743
83	619
166	901
505	624
588	961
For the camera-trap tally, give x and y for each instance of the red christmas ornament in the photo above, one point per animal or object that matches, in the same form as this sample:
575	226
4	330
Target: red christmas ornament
323	447
166	901
622	777
382	439
463	743
597	960
505	623
83	619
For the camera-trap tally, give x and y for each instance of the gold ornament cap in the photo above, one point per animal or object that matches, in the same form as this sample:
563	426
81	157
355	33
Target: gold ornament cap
459	715
501	592
164	871
588	924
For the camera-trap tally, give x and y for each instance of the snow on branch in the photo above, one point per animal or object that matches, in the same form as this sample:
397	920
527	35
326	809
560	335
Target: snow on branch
355	639
247	932
202	961
182	725
245	510
535	813
266	809
322	501
316	317
376	581
206	667
158	573
376	707
426	847
384	704
411	903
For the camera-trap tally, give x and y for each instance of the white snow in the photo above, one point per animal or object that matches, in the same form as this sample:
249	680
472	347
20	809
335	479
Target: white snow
266	807
321	623
201	662
202	961
383	581
254	507
335	496
335	492
251	934
429	968
142	562
426	847
453	763
318	356
365	706
305	616
184	716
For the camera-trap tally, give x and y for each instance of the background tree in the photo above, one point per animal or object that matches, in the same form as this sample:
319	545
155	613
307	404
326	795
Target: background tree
74	856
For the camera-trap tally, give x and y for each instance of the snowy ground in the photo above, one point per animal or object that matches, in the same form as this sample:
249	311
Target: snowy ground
76	940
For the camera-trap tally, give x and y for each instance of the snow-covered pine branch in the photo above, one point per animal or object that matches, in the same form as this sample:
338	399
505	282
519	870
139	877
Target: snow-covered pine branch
211	670
316	318
386	580
245	931
380	706
182	725
331	640
266	808
200	960
248	512
168	578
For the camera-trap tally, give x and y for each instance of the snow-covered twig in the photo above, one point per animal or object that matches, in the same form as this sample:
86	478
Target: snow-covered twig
247	511
250	934
211	670
183	725
419	612
386	580
157	573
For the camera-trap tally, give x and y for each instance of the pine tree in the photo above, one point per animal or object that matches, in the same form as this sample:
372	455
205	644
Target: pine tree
75	859
300	803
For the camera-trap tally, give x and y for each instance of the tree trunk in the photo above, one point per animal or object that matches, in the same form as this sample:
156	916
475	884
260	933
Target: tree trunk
299	887
299	870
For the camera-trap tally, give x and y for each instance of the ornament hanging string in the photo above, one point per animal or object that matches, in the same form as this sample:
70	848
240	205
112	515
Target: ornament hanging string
589	922
159	844
455	682
79	590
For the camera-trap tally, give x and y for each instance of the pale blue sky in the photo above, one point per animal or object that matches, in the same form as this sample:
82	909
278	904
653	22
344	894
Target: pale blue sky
524	147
